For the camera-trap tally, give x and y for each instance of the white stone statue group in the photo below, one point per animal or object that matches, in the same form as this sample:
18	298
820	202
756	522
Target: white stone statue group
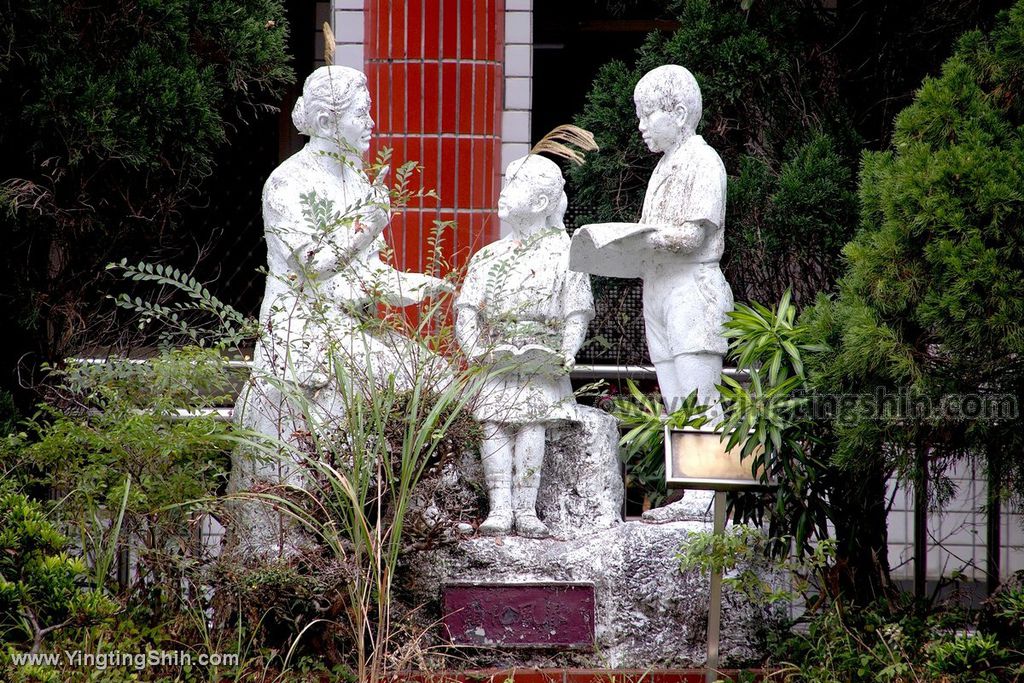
524	304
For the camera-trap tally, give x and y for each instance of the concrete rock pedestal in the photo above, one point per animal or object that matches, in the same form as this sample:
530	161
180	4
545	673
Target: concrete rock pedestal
646	612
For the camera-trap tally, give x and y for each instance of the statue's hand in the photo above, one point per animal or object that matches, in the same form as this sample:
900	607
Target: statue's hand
406	289
430	286
380	195
662	242
374	219
683	238
377	213
381	176
436	285
568	362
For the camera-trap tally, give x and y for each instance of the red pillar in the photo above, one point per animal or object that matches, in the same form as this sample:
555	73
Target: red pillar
435	76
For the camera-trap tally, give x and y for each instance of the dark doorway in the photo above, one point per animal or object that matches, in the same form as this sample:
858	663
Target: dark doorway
572	39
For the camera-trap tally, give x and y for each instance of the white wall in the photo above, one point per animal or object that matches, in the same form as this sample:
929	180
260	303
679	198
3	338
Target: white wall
957	535
515	120
348	23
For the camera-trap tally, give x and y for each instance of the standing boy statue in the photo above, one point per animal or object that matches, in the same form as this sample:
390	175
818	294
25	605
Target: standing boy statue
676	246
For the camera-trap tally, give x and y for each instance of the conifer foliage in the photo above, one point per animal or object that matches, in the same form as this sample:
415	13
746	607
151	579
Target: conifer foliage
932	305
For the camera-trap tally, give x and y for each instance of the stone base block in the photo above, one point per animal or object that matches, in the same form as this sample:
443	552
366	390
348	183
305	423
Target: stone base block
647	613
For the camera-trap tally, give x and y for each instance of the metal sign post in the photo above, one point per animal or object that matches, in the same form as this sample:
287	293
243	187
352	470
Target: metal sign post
697	459
715	599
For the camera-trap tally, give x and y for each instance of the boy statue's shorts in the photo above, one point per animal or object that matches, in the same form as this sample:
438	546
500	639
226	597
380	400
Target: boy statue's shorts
677	307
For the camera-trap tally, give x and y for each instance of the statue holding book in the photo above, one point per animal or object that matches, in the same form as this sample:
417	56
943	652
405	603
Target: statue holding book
523	314
676	245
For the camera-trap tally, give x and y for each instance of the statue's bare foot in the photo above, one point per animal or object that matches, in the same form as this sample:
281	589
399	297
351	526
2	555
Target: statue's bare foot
496	524
530	526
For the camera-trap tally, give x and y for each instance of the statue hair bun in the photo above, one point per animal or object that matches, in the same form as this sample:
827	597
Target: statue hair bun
299	116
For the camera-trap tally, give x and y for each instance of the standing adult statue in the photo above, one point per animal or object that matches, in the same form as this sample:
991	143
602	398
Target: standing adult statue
677	243
324	220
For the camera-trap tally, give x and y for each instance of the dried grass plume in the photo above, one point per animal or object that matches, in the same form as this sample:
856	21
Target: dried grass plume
558	141
328	44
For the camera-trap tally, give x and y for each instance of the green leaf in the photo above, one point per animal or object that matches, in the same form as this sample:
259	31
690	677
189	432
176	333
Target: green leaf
794	357
776	365
784	304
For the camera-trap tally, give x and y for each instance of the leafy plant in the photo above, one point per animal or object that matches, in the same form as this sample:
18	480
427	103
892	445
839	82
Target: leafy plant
42	588
741	553
364	471
767	418
201	320
975	658
1010	606
135	453
643	444
130	454
1002	614
871	645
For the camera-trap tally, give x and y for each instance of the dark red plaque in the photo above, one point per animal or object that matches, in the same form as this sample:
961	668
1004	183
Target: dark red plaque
543	615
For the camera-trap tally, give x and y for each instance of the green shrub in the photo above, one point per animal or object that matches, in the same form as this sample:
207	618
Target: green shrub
782	421
895	641
42	588
642	447
782	441
112	114
127	467
879	643
785	229
975	658
741	553
134	459
929	311
931	307
1002	614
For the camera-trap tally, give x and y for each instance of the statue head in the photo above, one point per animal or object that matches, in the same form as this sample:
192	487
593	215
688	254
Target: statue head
669	107
534	189
335	107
